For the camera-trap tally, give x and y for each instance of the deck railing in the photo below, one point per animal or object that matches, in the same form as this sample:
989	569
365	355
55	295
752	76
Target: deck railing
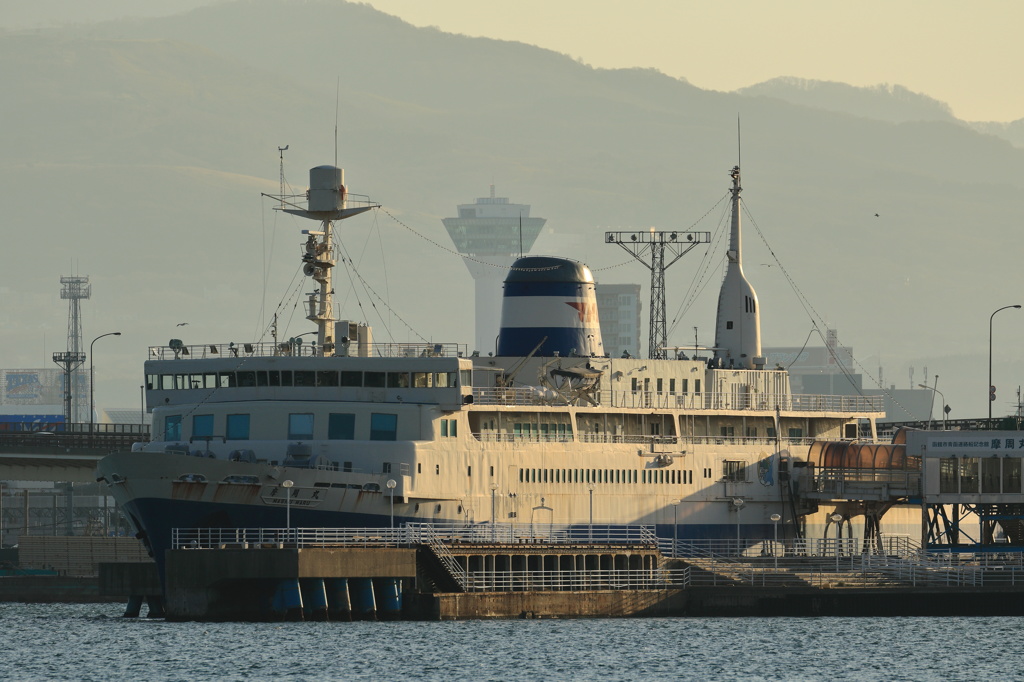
764	402
408	534
300	347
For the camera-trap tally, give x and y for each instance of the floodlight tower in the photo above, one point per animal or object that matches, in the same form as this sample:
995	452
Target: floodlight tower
651	245
74	289
491	234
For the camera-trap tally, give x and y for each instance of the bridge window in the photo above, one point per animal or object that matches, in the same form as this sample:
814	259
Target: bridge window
734	471
349	378
246	378
383	426
305	378
202	426
398	380
422	379
237	427
172	427
341	426
300	427
373	379
326	378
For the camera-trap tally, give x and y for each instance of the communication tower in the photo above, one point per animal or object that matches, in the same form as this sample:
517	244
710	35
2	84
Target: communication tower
74	288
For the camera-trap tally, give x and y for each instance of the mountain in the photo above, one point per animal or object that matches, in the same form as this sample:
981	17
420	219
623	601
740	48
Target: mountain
135	151
893	103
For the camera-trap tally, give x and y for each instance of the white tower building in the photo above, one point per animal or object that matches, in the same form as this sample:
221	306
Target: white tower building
492	233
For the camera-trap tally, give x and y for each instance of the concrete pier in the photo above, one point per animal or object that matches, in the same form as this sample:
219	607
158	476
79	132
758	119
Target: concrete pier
240	584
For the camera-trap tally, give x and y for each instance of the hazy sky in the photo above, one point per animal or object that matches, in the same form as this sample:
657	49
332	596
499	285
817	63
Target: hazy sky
966	54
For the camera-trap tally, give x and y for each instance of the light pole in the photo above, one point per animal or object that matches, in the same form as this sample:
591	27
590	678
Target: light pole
943	404
837	519
737	503
992	395
590	528
287	485
92	392
775	550
675	527
391	486
494	490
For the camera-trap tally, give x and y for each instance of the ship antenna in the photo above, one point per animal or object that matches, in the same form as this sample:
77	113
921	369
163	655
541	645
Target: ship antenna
280	152
337	99
520	234
739	144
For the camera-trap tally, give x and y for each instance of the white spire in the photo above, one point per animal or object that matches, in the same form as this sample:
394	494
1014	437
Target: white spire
738	328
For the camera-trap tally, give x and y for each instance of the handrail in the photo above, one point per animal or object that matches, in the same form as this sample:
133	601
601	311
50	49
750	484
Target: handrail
410	534
708	400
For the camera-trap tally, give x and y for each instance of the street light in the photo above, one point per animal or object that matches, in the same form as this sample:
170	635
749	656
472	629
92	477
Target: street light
92	392
494	489
943	405
287	485
737	503
590	528
775	550
391	486
675	527
991	395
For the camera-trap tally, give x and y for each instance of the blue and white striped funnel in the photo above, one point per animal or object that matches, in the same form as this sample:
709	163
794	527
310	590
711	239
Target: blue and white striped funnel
553	298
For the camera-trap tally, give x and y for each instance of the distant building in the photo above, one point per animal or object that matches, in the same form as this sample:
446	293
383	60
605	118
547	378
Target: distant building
35	396
619	308
492	233
819	370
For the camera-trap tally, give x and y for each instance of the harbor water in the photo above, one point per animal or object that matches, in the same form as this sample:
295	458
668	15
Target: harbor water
93	642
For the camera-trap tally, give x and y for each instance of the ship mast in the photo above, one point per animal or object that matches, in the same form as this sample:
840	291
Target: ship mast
738	328
327	202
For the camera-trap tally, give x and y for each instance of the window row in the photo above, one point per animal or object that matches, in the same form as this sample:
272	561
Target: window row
340	426
244	378
671	476
980	474
638	384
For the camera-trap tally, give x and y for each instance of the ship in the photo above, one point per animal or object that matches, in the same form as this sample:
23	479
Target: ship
549	431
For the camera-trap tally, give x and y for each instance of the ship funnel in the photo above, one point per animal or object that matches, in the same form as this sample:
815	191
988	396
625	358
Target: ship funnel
553	298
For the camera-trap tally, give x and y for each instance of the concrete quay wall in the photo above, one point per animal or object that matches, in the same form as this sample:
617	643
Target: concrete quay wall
589	604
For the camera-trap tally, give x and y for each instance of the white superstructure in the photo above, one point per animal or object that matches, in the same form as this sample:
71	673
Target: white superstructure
554	432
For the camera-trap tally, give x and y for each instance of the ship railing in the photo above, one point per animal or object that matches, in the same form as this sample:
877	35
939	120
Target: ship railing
821	562
750	548
549	533
266	538
409	534
577	580
665	400
840	481
297	347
